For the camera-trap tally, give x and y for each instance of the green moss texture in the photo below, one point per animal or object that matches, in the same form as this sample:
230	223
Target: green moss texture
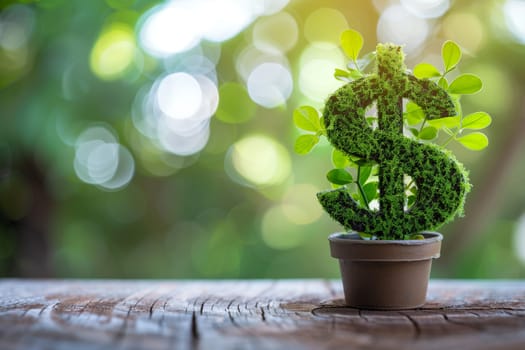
441	180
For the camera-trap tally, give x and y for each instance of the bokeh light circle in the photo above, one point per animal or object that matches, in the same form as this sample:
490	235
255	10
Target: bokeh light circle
235	105
514	13
168	29
398	26
222	20
324	26
269	7
114	52
278	232
427	8
174	113
179	26
270	85
276	34
258	161
317	65
464	28
251	57
16	26
519	239
179	95
183	144
100	160
300	205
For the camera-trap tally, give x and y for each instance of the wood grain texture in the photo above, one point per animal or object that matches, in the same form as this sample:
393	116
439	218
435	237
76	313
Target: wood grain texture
284	314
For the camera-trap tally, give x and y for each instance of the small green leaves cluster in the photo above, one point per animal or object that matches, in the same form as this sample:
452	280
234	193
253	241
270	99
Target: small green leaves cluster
459	128
359	175
365	182
308	119
352	43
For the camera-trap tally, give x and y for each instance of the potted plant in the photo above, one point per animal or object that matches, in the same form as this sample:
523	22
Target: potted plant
394	182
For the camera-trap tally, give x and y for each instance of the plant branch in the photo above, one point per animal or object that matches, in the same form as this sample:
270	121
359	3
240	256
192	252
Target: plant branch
361	190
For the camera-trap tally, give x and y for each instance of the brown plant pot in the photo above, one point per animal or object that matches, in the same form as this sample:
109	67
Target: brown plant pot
385	275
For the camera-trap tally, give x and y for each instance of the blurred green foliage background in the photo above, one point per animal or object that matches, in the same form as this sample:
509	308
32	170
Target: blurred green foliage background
154	139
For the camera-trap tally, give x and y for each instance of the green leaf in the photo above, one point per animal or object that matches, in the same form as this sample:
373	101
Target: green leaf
351	42
365	236
363	162
443	83
457	105
307	118
428	133
414	132
448	122
339	177
323	129
342	75
416	236
371	120
364	174
475	141
465	84
451	54
305	143
370	190
411	200
339	160
476	121
426	70
347	75
413	114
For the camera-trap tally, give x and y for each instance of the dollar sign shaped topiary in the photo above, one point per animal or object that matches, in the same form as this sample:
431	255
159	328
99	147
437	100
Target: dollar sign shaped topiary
441	180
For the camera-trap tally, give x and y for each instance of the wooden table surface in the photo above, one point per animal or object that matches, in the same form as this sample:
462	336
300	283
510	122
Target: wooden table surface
252	314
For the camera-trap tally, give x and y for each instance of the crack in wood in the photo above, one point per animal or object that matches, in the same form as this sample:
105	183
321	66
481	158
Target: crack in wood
194	328
201	310
415	324
230	304
463	324
263	317
361	316
513	314
41	312
152	307
121	332
232	319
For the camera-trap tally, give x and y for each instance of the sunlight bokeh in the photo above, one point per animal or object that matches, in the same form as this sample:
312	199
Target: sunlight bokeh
155	138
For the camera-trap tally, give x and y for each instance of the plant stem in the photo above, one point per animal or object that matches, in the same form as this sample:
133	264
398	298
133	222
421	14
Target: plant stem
357	66
422	125
361	191
447	141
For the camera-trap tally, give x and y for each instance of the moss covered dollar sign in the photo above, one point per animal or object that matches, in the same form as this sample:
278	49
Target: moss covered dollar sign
441	180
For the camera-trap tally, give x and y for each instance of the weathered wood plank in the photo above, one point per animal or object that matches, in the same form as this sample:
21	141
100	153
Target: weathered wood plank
292	314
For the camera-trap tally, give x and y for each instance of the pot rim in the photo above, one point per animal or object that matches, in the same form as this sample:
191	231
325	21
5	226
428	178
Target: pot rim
353	237
351	247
